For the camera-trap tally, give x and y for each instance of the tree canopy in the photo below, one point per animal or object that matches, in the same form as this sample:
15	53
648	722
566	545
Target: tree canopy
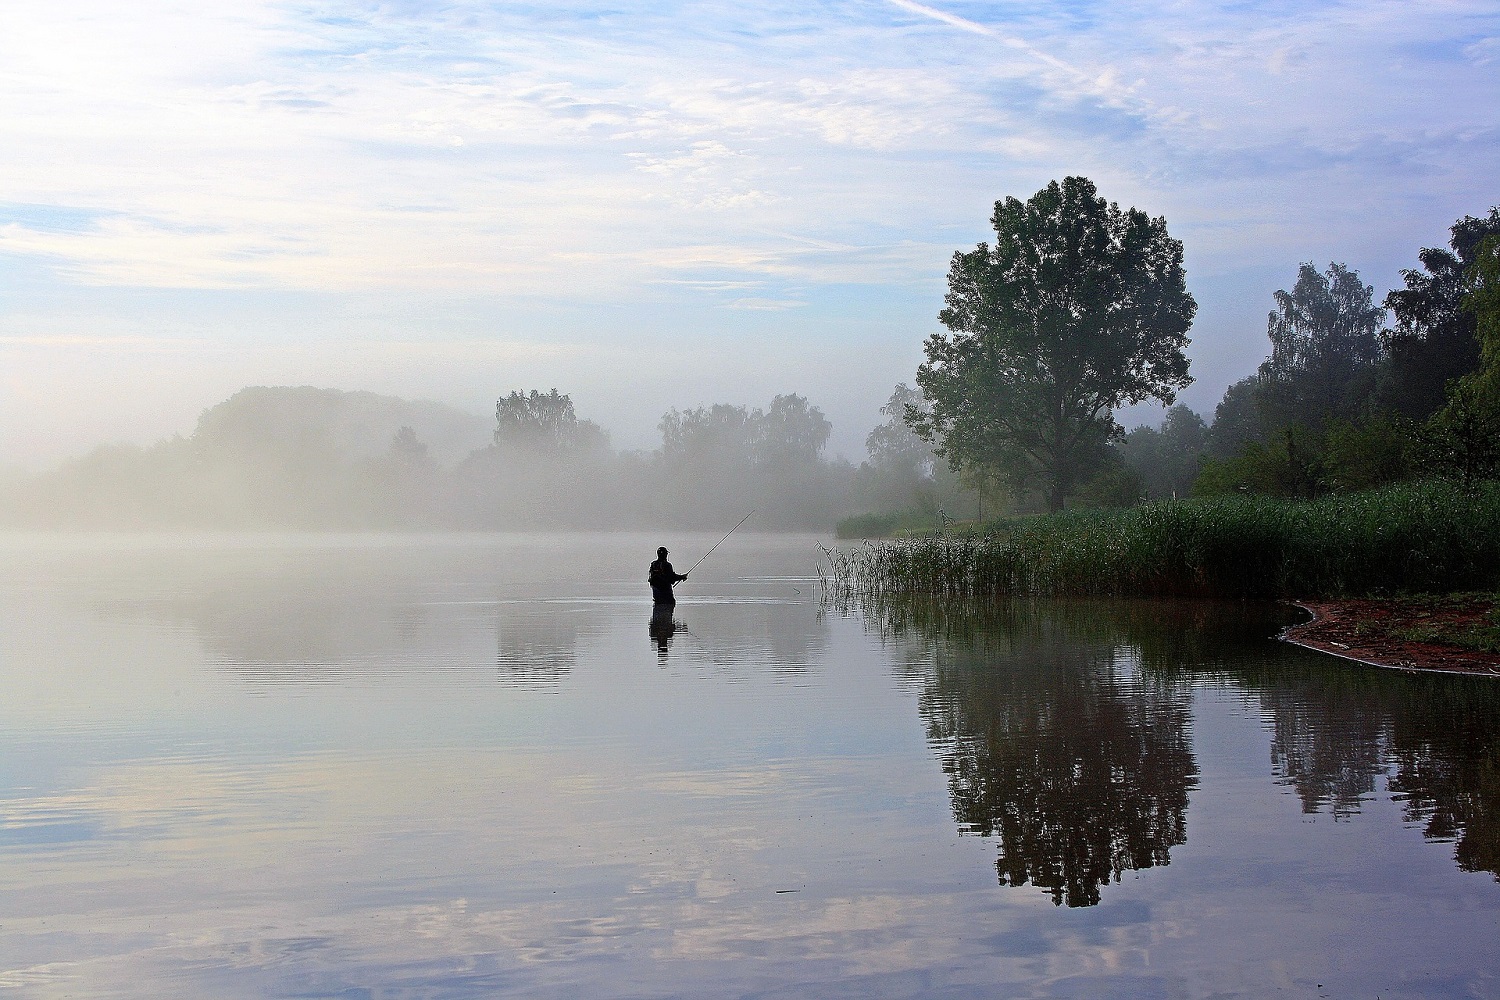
719	461
893	446
790	433
545	423
1167	460
1077	309
1464	435
1434	340
1237	421
1482	301
1325	346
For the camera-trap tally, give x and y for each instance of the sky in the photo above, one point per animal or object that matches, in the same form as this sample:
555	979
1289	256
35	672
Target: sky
657	205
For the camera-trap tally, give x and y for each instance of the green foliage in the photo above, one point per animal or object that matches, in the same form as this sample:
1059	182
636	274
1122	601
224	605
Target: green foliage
903	473
1482	301
893	446
1078	309
1327	413
887	525
1290	464
1167	461
1343	457
1324	349
1287	430
789	433
1378	452
1237	420
1433	341
721	460
1113	484
1463	438
1418	537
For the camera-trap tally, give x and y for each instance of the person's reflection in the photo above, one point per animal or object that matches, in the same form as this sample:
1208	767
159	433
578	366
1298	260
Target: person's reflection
663	625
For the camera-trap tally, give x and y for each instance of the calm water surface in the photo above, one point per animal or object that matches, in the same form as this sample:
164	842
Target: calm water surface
473	766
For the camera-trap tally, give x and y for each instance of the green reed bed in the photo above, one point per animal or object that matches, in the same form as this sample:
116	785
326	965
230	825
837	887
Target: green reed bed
1422	537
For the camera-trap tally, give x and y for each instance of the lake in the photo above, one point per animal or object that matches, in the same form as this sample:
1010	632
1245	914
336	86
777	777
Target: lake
477	766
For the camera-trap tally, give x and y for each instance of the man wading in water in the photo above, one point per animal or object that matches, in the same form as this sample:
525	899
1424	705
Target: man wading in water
662	577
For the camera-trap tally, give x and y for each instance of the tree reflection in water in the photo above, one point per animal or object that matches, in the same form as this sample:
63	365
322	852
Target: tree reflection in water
1436	739
1446	754
1054	740
1064	728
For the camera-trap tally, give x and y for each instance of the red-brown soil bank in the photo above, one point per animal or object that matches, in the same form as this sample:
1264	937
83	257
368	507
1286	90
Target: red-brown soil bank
1446	634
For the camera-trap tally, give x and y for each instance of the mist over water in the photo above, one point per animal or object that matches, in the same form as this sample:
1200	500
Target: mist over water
478	764
301	458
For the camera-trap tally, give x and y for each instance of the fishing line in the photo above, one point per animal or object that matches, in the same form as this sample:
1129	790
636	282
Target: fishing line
718	543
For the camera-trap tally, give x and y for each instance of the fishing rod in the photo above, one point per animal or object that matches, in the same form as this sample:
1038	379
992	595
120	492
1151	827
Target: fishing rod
719	542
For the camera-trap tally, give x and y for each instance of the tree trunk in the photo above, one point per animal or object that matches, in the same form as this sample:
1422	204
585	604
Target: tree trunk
1057	493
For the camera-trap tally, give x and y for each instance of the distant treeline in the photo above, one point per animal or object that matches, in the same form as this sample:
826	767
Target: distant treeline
308	458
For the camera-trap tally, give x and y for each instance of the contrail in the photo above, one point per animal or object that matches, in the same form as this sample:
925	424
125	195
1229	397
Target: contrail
1090	83
946	18
974	27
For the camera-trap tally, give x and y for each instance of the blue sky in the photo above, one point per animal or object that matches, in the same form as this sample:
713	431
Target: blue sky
651	205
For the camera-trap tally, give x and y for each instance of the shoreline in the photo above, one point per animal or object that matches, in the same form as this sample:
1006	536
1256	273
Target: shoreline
1364	631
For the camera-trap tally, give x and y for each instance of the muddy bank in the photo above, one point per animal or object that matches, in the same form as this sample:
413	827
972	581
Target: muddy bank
1401	634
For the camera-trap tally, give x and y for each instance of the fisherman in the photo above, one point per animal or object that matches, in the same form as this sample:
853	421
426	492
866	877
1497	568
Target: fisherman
662	578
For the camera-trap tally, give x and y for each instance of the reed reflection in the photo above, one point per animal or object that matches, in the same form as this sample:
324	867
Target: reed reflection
1055	742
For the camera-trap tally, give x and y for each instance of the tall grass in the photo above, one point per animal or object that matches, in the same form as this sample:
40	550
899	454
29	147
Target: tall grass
1414	537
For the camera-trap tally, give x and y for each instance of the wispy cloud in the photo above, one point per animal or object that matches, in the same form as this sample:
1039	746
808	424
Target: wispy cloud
670	158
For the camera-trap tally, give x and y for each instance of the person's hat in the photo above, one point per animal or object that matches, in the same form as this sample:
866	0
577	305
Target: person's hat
662	551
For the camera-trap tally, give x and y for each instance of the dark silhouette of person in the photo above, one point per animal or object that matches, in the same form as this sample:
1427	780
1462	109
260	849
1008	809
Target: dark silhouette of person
662	578
662	627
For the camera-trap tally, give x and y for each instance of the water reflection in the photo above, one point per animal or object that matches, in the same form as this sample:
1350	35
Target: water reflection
564	816
538	643
663	626
1435	740
783	636
1064	728
1054	743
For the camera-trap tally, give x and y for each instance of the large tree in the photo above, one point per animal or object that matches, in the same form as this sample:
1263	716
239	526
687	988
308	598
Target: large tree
1325	347
1463	437
1482	301
1434	339
1077	309
718	461
1237	420
544	424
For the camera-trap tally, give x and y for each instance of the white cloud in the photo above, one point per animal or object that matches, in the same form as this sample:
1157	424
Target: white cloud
1484	52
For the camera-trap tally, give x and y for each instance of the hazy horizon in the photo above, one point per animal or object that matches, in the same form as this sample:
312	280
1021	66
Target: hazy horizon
674	204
